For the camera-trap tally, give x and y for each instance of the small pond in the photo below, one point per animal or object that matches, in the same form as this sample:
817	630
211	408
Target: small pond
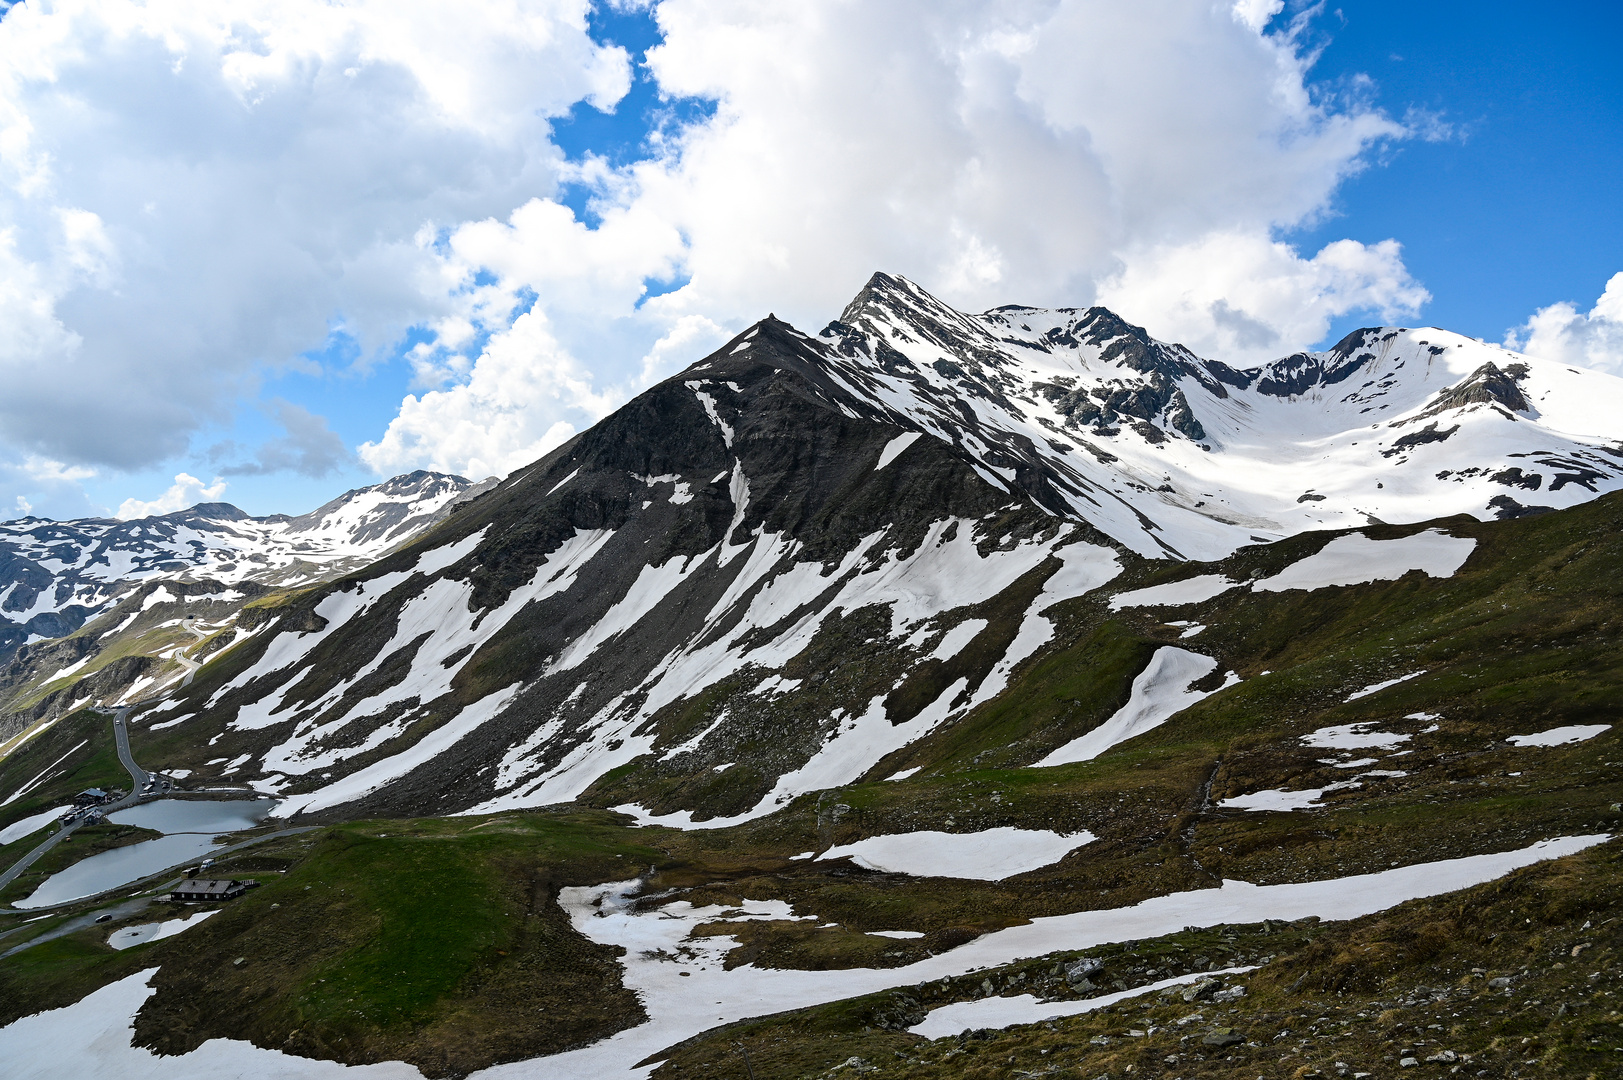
189	829
210	816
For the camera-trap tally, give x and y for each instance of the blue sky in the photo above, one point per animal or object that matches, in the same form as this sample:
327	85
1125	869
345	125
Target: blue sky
248	274
1521	208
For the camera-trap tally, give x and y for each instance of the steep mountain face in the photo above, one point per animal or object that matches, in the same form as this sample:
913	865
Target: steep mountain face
685	559
805	560
1174	455
151	586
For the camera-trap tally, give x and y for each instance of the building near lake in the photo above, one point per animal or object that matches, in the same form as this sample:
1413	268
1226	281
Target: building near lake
210	889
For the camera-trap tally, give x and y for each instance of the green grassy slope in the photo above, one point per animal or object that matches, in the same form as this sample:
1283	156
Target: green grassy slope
48	770
351	954
435	942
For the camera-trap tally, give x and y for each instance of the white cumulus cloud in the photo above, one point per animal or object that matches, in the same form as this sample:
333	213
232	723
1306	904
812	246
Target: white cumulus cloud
193	194
501	417
187	490
1247	299
1562	332
1055	152
55	484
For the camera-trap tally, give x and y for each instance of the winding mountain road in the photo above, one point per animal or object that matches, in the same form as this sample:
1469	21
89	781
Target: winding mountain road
139	778
190	665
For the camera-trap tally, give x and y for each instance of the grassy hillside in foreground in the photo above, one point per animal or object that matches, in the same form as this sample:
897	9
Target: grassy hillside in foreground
435	942
1421	981
350	955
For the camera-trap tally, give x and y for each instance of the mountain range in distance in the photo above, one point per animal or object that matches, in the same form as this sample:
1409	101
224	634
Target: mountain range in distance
131	577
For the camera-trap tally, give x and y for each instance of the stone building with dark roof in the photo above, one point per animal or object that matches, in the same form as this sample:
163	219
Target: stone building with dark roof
210	889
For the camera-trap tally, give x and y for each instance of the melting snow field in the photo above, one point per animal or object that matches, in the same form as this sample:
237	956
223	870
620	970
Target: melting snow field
1159	691
131	936
689	992
680	1006
1355	559
1002	1012
989	855
1193	591
1560	736
1354	737
29	825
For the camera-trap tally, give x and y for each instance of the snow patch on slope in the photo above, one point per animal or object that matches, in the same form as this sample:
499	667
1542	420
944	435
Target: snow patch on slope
1375	688
894	448
1159	691
1195	590
953	641
988	855
1354	737
129	937
1560	736
31	824
1355	559
433	561
1004	1012
92	1038
1276	799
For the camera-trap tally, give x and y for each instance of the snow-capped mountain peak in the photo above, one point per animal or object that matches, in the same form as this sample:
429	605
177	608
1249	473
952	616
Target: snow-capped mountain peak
56	574
778	571
1174	454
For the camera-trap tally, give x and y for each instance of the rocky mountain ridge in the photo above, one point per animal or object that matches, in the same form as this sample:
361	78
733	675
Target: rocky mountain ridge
793	564
1171	454
56	574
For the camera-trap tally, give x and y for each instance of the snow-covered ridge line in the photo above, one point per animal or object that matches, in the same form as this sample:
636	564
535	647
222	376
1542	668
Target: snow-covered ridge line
59	573
1172	454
